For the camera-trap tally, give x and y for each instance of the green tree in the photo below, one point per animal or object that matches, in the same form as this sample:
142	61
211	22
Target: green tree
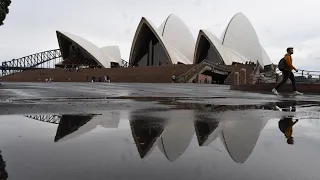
4	10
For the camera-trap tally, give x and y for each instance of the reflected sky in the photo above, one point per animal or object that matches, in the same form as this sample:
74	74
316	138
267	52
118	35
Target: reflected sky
204	142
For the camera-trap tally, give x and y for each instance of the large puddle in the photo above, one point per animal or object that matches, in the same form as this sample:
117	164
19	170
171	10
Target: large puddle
177	140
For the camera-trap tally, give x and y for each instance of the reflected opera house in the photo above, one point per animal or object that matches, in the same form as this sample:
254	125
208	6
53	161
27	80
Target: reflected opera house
172	132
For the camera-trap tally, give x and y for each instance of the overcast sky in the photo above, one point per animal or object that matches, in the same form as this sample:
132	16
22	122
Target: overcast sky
30	26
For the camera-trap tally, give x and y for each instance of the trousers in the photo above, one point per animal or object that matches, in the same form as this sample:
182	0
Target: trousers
287	75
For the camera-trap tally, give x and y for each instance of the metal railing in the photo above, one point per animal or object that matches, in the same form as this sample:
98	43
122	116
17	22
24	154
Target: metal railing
306	73
310	76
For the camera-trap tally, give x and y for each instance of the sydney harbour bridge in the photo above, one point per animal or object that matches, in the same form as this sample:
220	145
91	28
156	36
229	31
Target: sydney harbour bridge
41	60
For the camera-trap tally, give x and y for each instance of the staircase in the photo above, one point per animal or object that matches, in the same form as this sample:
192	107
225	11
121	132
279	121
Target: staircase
147	74
193	73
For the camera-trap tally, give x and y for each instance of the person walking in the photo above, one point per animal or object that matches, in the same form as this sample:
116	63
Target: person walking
287	73
173	78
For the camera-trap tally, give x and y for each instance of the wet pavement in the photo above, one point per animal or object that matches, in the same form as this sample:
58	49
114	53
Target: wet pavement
155	131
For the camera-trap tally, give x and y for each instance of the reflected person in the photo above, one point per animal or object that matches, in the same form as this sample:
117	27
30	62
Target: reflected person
285	125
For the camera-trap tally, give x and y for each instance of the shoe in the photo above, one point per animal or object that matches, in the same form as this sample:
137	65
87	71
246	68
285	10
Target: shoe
297	93
275	91
278	108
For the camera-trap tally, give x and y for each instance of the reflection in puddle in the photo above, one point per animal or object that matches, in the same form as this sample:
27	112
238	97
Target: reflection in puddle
172	131
72	126
145	131
3	171
55	119
241	132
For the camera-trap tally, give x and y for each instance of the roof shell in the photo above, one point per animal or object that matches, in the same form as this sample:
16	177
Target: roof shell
265	57
241	37
113	53
216	43
90	48
178	36
145	22
174	36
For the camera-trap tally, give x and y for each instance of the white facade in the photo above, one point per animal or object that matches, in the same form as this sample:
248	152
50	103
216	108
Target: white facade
174	36
265	57
178	36
113	53
238	43
148	24
103	56
215	43
240	36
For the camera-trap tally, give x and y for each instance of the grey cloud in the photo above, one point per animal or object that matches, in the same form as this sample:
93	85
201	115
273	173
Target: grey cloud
124	15
197	2
113	22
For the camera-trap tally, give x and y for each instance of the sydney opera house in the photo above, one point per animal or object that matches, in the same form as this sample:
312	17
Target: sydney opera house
171	43
164	54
